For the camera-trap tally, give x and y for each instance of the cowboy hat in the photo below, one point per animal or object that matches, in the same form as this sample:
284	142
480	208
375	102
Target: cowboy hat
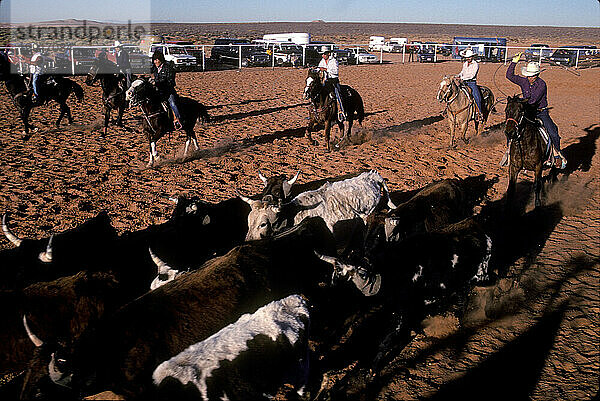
117	43
467	53
531	69
325	50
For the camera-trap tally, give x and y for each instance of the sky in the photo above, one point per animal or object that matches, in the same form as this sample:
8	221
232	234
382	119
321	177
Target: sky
585	13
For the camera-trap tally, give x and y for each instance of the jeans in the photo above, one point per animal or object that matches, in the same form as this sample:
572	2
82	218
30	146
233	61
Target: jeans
334	83
35	81
550	127
173	103
476	93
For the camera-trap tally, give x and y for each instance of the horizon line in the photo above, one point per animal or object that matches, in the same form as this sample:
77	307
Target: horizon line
298	22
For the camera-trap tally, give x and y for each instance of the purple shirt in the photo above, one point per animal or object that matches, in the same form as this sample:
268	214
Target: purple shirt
535	94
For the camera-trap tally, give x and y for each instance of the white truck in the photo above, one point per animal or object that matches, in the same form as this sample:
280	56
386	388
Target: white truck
176	53
297	38
376	43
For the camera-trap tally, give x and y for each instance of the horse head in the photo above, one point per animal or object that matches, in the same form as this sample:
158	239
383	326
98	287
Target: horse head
447	88
92	74
137	92
313	83
515	111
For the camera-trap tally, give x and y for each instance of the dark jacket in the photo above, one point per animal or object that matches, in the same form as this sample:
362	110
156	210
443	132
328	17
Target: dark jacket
164	79
123	60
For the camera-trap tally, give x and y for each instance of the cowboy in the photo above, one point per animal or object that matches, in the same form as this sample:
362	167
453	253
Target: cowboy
122	59
468	75
36	69
536	93
329	65
164	80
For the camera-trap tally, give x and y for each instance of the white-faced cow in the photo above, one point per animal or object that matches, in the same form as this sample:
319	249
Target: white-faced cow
334	202
247	360
123	350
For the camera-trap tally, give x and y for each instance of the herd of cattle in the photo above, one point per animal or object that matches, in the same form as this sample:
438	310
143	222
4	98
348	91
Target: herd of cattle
242	299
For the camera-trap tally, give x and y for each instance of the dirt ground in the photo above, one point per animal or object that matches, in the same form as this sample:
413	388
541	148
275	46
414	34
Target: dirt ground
535	332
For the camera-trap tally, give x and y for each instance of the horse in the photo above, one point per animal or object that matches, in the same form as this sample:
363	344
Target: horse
528	149
323	108
113	90
158	118
460	106
55	87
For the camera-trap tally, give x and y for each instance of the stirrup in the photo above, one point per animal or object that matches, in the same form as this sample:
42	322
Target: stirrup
341	117
177	124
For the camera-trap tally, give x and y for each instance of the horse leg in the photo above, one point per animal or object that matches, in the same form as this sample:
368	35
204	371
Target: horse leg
328	135
63	111
452	125
121	110
308	133
106	120
463	127
153	154
512	183
537	183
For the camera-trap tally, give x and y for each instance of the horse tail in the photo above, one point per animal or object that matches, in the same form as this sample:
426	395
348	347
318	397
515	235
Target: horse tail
203	115
77	90
360	109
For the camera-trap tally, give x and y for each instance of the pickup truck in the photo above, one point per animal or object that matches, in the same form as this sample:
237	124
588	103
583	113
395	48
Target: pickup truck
283	53
176	54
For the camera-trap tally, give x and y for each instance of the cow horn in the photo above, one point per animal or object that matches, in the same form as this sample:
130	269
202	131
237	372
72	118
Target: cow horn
163	268
325	258
46	256
262	178
292	180
244	198
9	235
34	339
174	200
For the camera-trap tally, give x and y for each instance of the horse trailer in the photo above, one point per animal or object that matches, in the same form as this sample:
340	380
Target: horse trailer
488	49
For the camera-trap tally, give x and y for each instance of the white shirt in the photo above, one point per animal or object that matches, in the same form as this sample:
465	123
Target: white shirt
35	68
332	67
469	70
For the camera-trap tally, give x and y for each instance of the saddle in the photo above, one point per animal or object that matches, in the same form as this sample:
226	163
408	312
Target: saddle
550	154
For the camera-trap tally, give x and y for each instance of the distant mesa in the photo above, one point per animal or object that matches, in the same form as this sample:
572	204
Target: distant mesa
318	20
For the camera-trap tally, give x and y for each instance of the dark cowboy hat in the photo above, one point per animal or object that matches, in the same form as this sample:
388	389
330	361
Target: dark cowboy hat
158	55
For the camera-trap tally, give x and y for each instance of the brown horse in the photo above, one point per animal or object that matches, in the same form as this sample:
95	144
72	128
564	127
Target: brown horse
158	118
323	108
460	106
527	148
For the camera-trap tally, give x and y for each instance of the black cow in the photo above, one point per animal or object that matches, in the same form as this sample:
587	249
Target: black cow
62	308
419	274
62	254
278	187
122	351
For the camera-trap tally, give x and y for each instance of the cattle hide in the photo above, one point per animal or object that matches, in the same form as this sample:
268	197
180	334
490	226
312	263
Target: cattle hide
122	351
248	359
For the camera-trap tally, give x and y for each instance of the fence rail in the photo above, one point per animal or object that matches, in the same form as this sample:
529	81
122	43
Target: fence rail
573	56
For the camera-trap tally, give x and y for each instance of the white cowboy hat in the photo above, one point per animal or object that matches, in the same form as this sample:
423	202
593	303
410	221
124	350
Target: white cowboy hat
531	69
467	53
117	43
325	49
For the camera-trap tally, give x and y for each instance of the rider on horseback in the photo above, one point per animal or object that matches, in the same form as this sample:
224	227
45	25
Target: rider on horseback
36	69
329	65
468	75
164	80
123	63
536	93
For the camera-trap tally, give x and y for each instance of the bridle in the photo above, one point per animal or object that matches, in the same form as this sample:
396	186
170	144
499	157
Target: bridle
447	93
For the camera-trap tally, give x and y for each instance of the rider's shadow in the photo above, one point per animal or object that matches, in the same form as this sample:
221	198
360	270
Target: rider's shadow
579	155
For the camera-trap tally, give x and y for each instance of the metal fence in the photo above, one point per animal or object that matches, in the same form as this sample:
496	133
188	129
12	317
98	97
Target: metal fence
440	52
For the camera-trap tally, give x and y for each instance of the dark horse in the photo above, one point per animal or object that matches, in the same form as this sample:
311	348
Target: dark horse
57	88
157	116
323	108
528	150
113	90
